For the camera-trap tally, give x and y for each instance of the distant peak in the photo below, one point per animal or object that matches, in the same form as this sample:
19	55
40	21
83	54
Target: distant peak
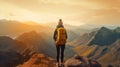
29	34
31	23
5	37
105	36
104	28
117	29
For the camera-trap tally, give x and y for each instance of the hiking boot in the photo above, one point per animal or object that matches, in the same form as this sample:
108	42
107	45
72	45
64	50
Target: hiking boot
62	64
57	64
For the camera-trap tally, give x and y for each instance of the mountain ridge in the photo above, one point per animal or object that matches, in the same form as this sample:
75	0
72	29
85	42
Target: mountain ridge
105	36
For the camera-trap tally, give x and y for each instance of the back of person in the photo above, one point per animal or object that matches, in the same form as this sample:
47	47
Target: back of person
61	36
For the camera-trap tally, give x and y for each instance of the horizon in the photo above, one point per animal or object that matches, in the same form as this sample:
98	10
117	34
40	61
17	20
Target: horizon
53	24
73	12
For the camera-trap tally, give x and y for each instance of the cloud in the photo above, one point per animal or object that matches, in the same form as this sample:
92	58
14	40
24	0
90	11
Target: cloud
72	11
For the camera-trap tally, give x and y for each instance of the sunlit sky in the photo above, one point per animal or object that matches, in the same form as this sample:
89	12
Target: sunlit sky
73	12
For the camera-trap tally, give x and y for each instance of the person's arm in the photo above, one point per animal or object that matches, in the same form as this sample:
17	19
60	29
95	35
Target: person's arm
66	35
55	33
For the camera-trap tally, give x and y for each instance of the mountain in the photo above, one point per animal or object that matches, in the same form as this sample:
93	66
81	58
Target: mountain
40	43
107	51
117	29
15	28
6	43
37	42
30	48
112	55
107	54
105	36
102	46
9	57
83	39
19	50
72	31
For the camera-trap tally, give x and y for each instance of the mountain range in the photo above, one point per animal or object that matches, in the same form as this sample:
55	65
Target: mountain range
23	44
103	45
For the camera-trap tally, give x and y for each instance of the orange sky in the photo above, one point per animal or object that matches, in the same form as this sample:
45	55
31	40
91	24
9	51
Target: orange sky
74	12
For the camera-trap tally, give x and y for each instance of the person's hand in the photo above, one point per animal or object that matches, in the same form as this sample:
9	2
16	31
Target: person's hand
55	42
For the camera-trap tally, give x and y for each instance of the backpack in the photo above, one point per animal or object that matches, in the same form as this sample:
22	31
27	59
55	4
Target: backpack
61	36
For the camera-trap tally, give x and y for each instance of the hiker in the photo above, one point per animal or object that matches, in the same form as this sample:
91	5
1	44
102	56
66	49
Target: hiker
60	38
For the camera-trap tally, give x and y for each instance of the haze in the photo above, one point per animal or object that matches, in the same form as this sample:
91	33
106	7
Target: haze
73	12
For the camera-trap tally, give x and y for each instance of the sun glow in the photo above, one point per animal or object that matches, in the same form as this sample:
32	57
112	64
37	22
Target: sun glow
73	12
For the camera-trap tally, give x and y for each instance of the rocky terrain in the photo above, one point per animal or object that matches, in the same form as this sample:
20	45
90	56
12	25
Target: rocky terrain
103	46
39	60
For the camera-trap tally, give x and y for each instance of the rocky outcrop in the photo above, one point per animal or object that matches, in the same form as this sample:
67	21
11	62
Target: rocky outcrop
80	61
39	60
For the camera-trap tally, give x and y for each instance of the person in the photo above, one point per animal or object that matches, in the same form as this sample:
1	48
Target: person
60	38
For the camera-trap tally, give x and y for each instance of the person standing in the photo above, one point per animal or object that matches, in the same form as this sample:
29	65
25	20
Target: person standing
60	38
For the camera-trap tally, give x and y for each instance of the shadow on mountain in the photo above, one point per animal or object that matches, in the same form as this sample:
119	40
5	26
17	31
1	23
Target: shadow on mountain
37	49
105	36
103	46
19	50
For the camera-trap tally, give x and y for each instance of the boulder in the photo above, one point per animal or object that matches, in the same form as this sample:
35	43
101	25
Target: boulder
81	61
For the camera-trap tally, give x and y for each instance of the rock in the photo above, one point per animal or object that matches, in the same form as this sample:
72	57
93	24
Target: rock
39	60
80	61
110	65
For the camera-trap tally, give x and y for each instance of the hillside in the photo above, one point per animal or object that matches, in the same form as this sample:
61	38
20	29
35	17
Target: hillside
83	39
103	46
112	56
16	52
14	28
117	29
8	55
37	42
105	36
6	43
39	60
31	42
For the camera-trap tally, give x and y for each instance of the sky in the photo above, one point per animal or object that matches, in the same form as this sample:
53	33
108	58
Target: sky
73	12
